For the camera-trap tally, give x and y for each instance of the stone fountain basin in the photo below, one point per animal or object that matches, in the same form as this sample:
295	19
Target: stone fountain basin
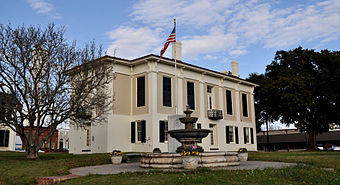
189	133
187	120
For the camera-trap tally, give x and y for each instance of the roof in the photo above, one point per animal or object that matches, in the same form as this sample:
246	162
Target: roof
180	63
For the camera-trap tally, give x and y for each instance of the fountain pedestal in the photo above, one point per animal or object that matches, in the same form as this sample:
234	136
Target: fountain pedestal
189	136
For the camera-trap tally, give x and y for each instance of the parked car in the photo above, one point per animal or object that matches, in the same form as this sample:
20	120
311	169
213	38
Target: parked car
61	150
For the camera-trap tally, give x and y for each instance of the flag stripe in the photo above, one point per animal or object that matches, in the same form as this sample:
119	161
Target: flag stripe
171	38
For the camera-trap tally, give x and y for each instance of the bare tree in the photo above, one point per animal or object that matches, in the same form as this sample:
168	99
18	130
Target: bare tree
45	81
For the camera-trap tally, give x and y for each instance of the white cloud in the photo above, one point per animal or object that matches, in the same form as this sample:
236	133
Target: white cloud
207	27
133	42
43	7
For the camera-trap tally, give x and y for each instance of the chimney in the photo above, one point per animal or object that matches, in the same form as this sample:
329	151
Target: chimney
234	68
177	46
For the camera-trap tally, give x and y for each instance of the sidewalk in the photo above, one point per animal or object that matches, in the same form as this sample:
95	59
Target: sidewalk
133	167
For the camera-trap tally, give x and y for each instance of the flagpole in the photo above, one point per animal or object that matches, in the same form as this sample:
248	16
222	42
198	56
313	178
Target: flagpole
176	107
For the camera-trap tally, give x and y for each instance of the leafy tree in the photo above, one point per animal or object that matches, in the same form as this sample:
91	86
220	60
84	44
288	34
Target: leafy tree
301	87
36	83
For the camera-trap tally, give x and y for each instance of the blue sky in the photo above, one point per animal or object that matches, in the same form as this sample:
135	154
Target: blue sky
213	32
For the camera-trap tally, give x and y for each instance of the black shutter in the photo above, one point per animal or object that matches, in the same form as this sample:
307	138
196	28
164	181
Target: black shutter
133	132
2	138
199	126
244	105
227	134
6	138
143	131
252	135
245	135
141	91
229	103
166	91
236	135
161	131
191	95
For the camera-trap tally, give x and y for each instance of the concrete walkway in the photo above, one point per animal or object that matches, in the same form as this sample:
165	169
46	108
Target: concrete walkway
133	167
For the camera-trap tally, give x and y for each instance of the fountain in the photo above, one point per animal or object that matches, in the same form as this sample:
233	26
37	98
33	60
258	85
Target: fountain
189	137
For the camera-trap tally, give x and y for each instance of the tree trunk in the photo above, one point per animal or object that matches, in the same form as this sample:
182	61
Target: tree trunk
312	140
32	156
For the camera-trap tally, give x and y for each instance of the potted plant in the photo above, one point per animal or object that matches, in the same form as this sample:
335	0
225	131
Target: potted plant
116	156
190	157
242	154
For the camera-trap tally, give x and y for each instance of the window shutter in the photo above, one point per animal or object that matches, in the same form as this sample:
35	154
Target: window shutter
133	132
252	135
227	134
143	131
245	135
236	135
161	131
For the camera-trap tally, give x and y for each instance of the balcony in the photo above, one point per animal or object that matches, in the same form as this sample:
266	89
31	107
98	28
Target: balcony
215	114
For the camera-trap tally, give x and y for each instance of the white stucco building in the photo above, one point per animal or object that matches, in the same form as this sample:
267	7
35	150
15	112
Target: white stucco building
144	92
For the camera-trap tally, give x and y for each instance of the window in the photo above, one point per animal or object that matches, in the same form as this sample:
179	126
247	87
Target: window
229	134
229	103
4	137
163	128
209	89
236	135
141	91
198	126
191	95
138	130
210	98
244	105
166	91
246	135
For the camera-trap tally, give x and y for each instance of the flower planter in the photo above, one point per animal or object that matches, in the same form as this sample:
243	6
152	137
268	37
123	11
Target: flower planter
242	157
190	162
116	159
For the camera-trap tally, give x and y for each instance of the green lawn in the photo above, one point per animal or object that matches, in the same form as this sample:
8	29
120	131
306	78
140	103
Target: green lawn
15	169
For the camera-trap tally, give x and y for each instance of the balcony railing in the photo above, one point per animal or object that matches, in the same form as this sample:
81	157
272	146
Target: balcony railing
215	114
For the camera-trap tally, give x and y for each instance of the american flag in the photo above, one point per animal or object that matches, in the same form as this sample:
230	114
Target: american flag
171	38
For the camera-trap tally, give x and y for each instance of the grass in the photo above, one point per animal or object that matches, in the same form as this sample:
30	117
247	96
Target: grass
297	175
15	169
322	159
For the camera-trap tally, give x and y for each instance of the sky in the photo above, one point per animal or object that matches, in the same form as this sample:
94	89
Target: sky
213	32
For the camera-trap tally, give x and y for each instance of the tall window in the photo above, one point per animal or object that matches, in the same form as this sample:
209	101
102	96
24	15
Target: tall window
4	137
88	139
229	103
141	91
246	135
166	91
163	128
191	95
210	98
236	135
229	134
244	105
138	131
